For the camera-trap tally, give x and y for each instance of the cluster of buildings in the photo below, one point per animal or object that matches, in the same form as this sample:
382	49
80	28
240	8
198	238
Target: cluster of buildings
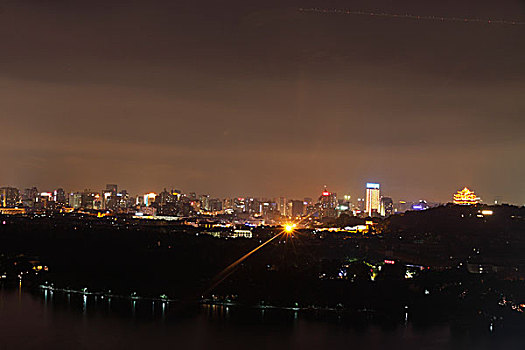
175	203
31	199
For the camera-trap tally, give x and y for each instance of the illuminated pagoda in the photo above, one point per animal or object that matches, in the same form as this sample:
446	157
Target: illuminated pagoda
466	197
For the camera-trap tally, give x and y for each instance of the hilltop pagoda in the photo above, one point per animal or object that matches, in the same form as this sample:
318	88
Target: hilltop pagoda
466	197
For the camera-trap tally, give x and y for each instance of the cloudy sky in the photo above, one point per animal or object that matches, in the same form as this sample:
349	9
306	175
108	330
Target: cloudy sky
258	98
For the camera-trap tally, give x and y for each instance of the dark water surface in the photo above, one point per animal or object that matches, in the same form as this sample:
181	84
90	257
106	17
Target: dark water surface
45	320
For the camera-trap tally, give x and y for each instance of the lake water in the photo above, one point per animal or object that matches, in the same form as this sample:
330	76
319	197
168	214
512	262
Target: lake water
45	320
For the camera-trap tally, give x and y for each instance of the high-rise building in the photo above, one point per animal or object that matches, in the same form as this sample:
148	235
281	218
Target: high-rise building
297	208
327	204
269	208
387	206
166	198
30	197
205	202
282	206
372	198
9	197
166	203
91	200
75	200
110	197
125	200
253	206
59	196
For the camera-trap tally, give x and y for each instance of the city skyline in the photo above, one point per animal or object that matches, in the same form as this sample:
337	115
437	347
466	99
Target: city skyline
277	174
354	198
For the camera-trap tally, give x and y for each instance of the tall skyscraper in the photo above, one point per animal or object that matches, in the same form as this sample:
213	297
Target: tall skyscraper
373	198
282	206
59	196
327	204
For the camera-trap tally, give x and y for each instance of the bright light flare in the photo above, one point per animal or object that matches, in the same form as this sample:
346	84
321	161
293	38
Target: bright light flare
289	228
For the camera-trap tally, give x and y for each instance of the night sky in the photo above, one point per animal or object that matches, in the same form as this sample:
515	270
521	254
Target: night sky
257	98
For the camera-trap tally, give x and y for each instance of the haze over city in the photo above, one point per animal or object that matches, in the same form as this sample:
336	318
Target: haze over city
262	99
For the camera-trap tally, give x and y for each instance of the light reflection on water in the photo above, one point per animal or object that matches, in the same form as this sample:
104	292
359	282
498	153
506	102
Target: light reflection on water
65	321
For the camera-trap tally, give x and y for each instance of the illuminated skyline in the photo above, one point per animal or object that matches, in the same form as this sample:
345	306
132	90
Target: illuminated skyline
360	192
372	196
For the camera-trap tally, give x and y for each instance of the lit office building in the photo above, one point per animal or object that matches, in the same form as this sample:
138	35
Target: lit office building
282	206
327	204
373	198
9	197
75	200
